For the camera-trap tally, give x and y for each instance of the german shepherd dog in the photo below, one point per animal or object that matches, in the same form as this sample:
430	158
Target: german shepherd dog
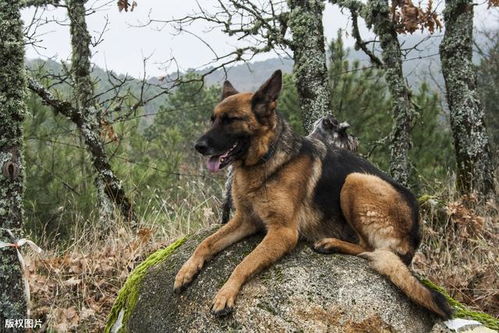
294	187
326	129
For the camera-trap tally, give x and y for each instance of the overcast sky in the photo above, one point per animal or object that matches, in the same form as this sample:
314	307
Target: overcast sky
125	45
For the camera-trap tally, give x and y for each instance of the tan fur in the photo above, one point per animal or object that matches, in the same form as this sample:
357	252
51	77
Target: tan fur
382	220
274	203
277	196
239	105
338	245
238	228
389	264
376	211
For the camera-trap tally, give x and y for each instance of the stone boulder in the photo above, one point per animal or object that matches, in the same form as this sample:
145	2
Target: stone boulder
305	291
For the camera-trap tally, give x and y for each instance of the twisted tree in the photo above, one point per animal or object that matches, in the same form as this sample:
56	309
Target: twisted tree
83	92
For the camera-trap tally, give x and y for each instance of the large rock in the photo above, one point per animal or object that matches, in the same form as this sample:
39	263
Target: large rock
304	291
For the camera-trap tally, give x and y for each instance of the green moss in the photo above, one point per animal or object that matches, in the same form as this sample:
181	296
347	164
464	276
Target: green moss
128	295
424	198
460	311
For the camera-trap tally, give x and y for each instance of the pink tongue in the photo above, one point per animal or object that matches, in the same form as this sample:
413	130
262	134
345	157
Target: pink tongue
213	163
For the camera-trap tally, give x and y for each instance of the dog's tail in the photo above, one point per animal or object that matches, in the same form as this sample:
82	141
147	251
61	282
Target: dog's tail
390	265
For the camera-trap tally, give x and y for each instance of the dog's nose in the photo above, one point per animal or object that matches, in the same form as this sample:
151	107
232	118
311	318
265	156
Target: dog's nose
201	146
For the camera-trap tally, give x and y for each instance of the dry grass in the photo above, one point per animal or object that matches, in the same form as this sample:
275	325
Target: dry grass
73	288
460	250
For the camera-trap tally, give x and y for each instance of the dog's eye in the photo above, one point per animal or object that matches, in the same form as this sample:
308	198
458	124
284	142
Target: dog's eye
228	120
212	118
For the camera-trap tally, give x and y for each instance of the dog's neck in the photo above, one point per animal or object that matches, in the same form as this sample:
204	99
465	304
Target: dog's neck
268	152
263	147
274	142
280	149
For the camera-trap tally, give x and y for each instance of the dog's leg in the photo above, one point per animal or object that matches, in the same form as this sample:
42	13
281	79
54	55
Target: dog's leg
230	233
278	241
332	245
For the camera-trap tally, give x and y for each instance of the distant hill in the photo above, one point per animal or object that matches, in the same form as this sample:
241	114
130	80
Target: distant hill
418	64
248	77
422	64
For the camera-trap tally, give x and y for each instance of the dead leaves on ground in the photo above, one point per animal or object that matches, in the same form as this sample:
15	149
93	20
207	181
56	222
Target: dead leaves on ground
74	292
460	249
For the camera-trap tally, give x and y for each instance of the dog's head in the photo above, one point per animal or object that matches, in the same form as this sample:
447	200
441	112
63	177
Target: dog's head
242	125
334	134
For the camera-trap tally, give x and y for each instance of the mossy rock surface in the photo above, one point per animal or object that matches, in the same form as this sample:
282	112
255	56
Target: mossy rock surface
303	292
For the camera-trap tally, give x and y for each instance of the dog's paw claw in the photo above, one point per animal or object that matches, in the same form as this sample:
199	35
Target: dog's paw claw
224	301
324	247
223	312
180	285
186	275
365	255
323	250
179	289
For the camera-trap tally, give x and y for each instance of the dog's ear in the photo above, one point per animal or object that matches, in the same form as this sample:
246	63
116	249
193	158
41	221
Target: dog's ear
264	100
228	90
343	127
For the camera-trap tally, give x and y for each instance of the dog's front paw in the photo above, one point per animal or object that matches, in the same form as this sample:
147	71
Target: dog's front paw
224	301
326	246
187	273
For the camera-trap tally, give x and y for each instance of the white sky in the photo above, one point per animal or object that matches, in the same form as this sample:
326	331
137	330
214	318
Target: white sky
124	45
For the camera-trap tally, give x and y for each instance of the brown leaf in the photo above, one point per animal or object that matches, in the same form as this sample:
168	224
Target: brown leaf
72	282
107	131
86	313
409	17
123	5
70	313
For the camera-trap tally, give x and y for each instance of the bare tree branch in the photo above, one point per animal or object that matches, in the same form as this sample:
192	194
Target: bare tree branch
113	186
359	43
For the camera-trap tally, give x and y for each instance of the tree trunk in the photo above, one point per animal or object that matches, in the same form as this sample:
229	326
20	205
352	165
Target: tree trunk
471	142
95	146
13	304
309	55
403	110
377	15
84	89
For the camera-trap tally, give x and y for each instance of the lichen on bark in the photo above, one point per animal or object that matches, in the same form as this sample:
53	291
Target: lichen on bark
83	90
376	14
83	112
12	110
38	3
309	55
475	171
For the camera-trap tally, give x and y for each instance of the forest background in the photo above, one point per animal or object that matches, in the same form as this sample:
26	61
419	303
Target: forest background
89	252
